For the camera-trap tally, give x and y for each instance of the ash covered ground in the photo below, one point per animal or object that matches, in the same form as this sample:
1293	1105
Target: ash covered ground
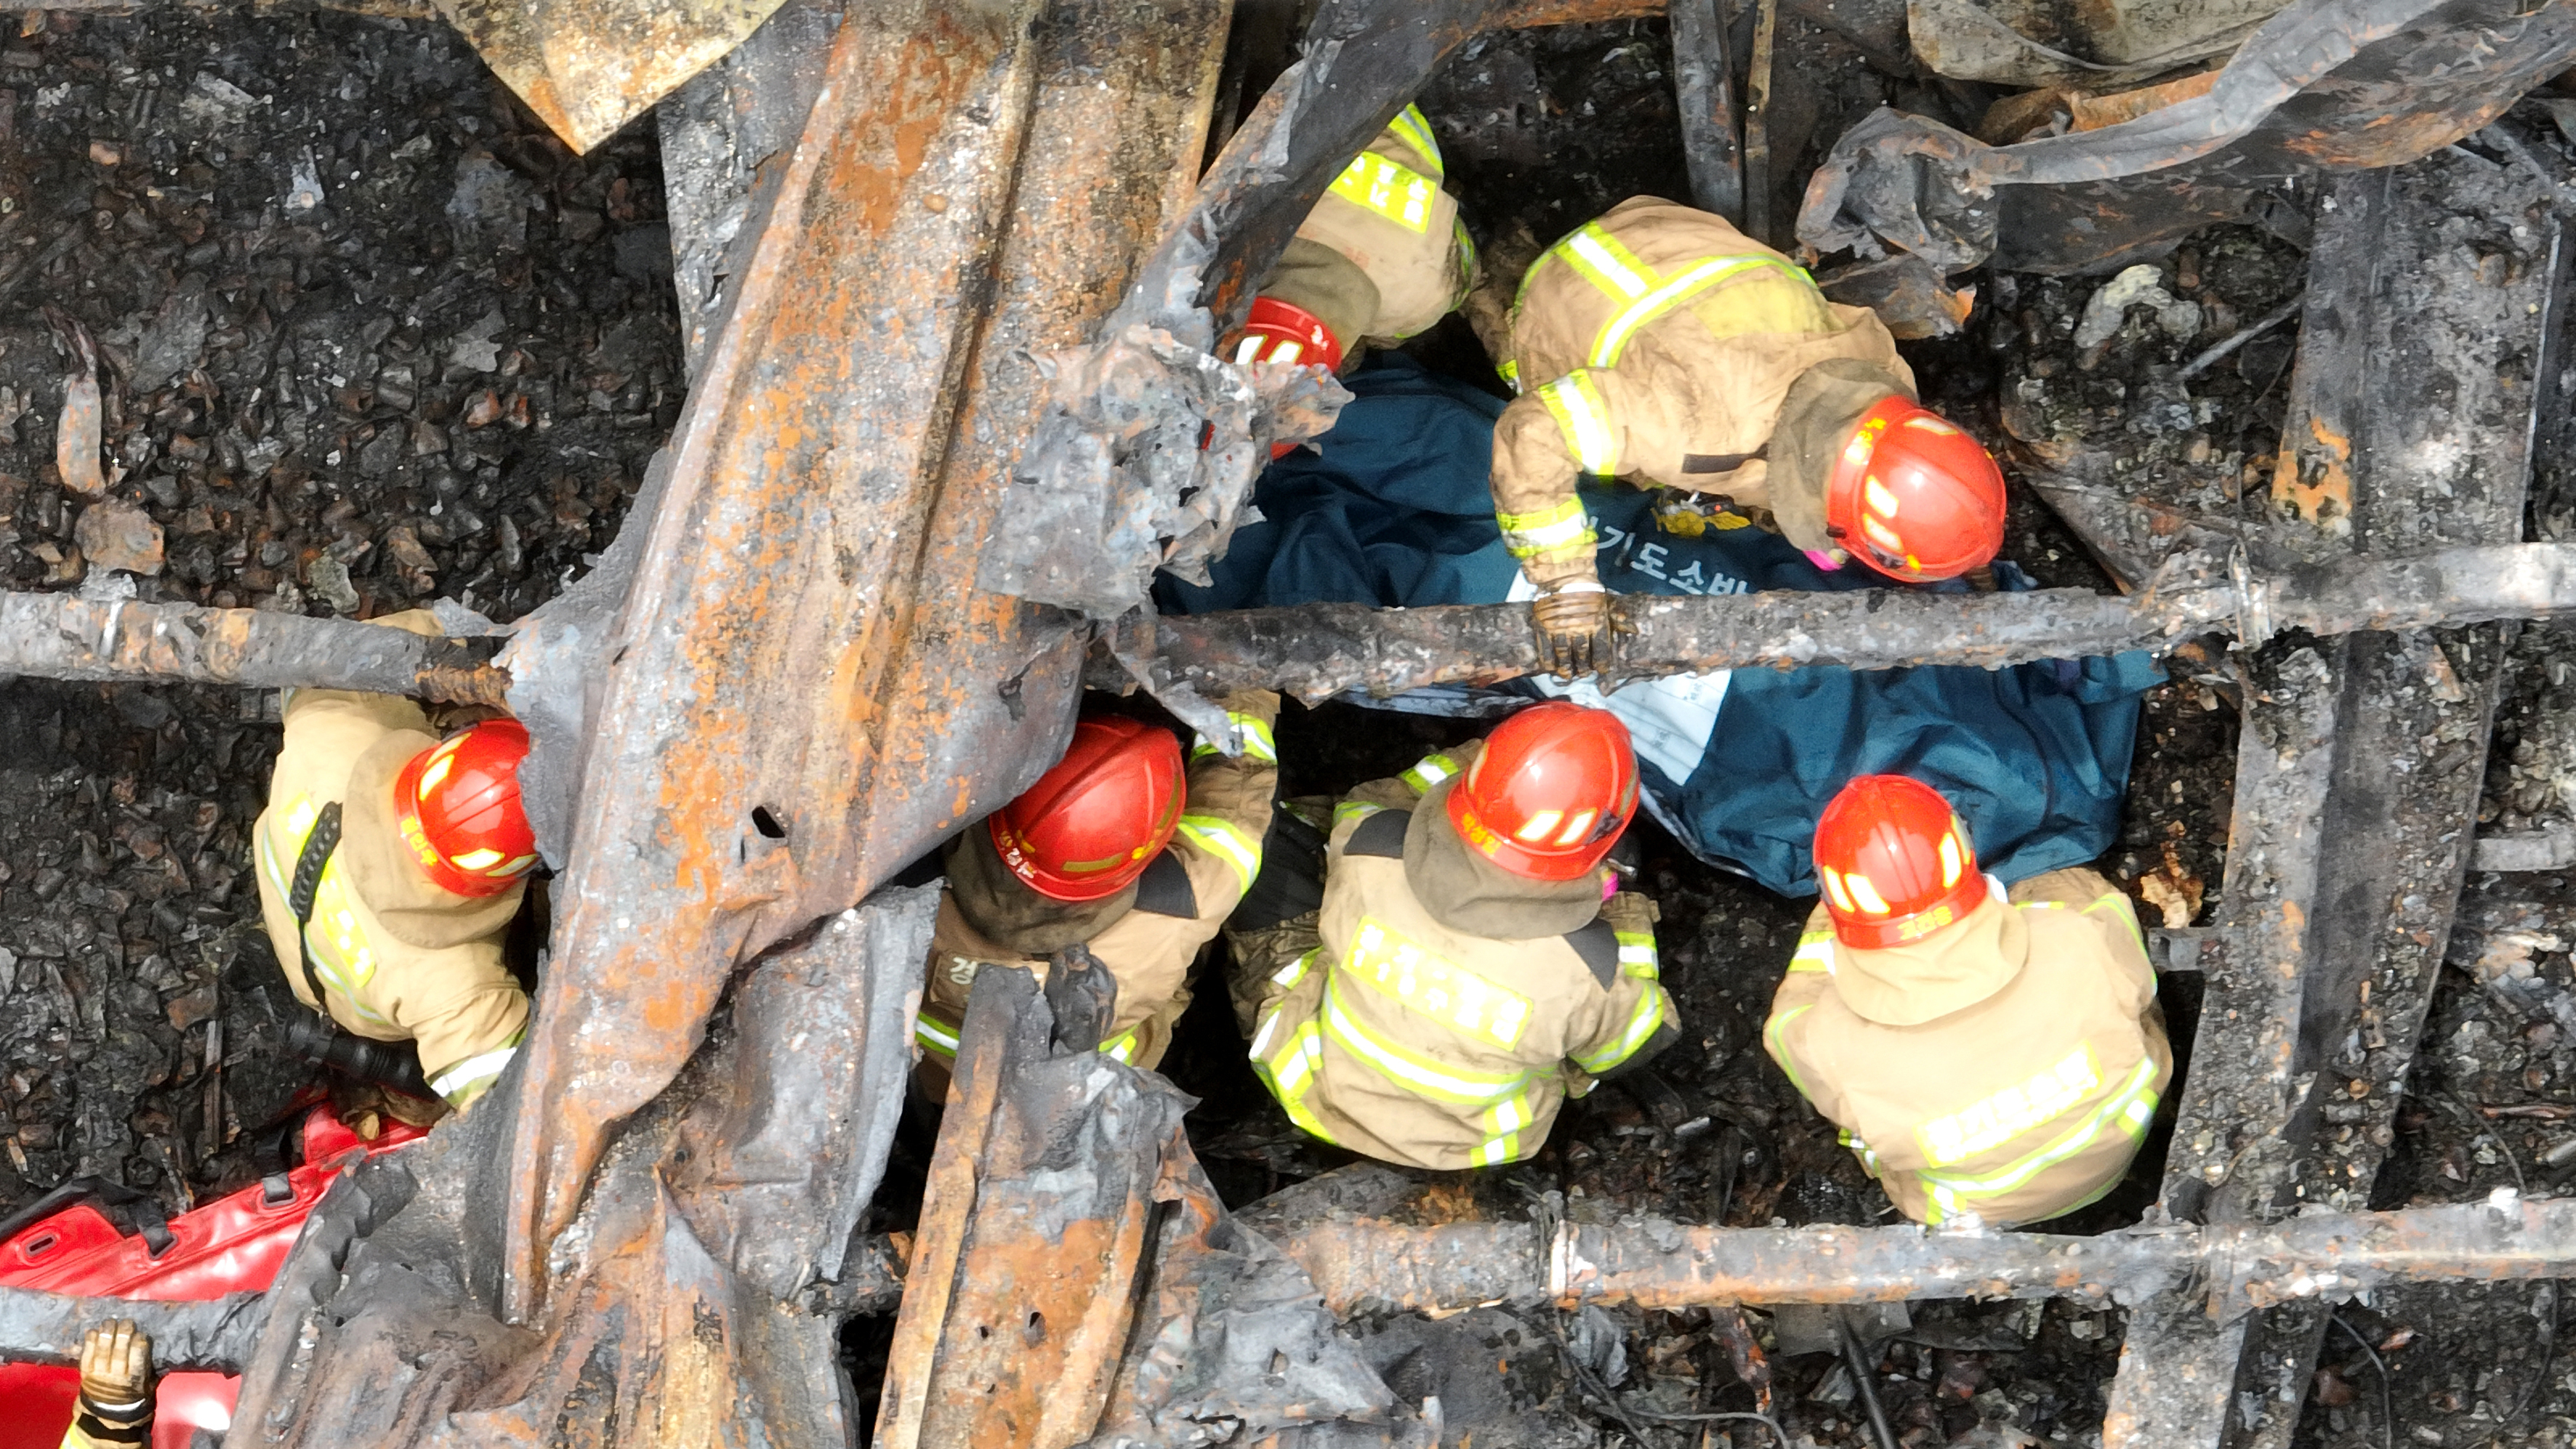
372	336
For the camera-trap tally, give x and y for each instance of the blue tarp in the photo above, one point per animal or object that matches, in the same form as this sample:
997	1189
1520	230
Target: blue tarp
1393	509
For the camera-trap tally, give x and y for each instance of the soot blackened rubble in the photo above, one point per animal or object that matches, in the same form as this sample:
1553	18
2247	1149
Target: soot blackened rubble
367	336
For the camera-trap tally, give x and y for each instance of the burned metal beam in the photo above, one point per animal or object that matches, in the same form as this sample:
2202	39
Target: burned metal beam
1365	1265
48	1328
67	636
1704	83
1318	650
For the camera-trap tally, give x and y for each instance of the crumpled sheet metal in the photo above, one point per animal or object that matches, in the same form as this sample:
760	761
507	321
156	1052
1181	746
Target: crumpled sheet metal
1074	1279
2334	83
587	67
2099	47
1145	461
689	1315
808	691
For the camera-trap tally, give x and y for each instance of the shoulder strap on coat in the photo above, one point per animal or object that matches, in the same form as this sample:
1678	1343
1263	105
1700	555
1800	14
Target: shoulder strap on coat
308	879
1381	834
1598	945
1164	889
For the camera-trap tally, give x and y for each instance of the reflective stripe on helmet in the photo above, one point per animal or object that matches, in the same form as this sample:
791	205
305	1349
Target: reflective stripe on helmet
1389	189
1583	416
1226	843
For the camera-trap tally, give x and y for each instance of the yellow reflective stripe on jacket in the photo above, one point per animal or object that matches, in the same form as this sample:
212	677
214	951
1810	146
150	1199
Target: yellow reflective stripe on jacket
1562	528
1258	741
1391	189
1414	130
1349	810
2132	1108
1421	1075
1775	1040
2128	915
1862	1150
1997	1118
1290	1071
1642	1022
1654	305
469	1078
1600	258
1637	955
1430	770
1287	977
1583	416
1815	953
1432	986
1226	843
1504	1124
1510	372
342	956
1122	1046
934	1036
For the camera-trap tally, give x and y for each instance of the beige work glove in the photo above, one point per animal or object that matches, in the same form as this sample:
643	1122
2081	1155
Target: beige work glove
1575	633
116	1373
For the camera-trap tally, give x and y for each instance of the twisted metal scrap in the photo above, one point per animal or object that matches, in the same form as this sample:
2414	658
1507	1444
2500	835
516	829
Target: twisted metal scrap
1145	460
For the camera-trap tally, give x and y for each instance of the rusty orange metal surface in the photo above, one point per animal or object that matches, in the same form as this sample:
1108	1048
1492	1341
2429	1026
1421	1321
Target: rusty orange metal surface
587	67
806	693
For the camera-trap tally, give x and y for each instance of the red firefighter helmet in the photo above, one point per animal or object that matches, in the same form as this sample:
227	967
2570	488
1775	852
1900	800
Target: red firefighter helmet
1914	497
1279	331
1550	793
1895	862
457	806
1095	821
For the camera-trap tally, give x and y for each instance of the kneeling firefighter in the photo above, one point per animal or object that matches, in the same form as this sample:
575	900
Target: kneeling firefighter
1469	966
390	864
1115	850
1987	1053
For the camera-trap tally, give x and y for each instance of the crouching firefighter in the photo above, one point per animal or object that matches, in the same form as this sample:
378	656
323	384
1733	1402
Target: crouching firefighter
114	1410
1113	849
390	865
1468	967
1381	257
1661	345
1987	1053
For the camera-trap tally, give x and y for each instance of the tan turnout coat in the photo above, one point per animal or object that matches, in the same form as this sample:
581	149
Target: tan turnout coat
1383	255
1181	901
400	957
1655	344
1401	1038
2005	1066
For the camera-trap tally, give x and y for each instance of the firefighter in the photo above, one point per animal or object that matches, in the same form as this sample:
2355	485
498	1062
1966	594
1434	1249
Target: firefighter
115	1407
1661	345
1381	257
1987	1053
1468	968
1115	850
390	864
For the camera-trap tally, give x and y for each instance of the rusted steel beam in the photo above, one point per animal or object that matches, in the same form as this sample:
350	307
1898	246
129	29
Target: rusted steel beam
48	1328
65	636
809	690
2424	364
1365	1265
1319	650
1704	83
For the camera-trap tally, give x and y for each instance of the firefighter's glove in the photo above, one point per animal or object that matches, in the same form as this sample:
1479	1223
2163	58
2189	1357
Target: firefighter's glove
1574	629
116	1372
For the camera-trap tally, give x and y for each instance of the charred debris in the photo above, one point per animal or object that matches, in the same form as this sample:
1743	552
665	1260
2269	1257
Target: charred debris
304	318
